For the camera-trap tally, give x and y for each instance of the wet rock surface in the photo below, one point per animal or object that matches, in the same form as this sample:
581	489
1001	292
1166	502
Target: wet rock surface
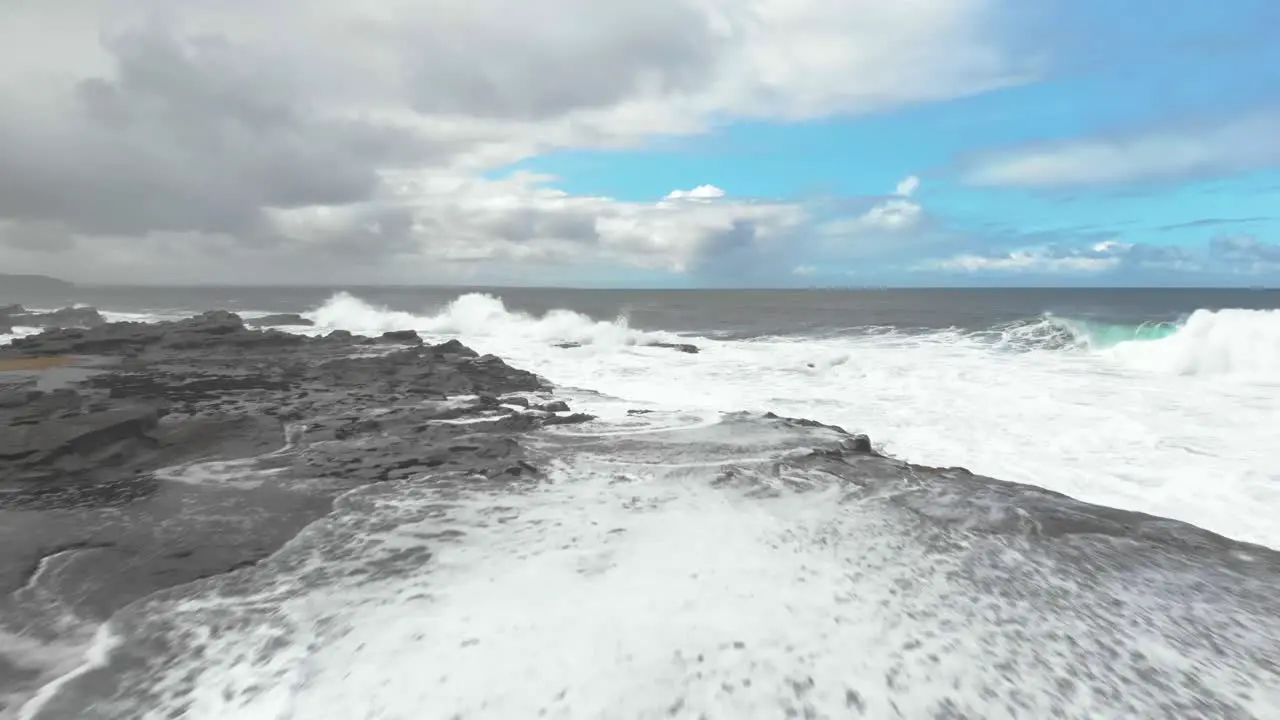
280	320
128	477
12	316
687	348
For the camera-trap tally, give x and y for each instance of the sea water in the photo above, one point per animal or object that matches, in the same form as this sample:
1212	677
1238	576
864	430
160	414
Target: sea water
634	586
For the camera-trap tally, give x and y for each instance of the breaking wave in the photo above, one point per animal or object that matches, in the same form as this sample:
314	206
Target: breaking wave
1050	332
481	315
1223	342
1234	342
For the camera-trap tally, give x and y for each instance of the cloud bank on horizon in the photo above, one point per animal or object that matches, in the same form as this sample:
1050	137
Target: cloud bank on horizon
655	143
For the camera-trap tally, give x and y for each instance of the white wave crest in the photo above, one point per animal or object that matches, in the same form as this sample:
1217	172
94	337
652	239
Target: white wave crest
478	315
1235	342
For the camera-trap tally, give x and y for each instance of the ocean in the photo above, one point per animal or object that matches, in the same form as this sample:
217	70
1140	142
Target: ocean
1164	402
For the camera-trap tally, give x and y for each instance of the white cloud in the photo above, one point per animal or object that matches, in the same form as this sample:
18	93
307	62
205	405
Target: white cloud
702	192
435	229
1024	261
1170	154
892	215
1093	258
322	138
896	214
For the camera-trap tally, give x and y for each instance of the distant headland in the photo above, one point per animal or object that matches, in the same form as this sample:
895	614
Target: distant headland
31	284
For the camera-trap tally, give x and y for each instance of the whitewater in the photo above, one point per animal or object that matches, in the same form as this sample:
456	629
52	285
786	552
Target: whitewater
690	557
1178	422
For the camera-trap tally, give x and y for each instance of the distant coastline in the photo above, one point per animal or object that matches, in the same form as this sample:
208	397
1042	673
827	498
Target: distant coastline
12	285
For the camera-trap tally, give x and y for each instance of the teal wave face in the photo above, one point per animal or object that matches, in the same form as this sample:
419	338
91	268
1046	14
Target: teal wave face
1100	336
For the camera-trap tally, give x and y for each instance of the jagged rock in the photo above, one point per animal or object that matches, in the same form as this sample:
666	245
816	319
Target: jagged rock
554	406
401	337
202	331
71	317
453	347
128	452
17	398
571	419
679	347
73	444
280	320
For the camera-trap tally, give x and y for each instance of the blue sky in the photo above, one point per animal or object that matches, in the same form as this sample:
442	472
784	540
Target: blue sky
1147	131
646	143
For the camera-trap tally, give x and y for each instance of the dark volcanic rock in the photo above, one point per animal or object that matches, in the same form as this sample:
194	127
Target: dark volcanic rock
570	419
280	320
401	337
49	445
16	315
680	347
193	448
454	348
175	399
218	328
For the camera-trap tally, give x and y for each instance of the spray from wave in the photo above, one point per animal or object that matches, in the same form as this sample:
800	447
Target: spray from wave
1236	342
1228	342
1050	332
480	315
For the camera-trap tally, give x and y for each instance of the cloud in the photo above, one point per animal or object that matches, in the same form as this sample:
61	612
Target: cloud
1213	222
321	138
188	136
439	230
1228	147
1025	261
888	216
1088	259
702	193
1245	253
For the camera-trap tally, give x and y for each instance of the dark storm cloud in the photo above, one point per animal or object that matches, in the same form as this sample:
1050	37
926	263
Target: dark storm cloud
41	237
191	134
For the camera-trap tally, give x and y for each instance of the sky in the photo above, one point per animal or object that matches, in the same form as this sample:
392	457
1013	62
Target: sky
642	143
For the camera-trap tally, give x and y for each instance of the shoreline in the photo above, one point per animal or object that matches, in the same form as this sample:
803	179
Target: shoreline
122	444
174	416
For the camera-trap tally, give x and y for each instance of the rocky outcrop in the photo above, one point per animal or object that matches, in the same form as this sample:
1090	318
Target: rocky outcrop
149	445
401	337
678	347
78	317
280	320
